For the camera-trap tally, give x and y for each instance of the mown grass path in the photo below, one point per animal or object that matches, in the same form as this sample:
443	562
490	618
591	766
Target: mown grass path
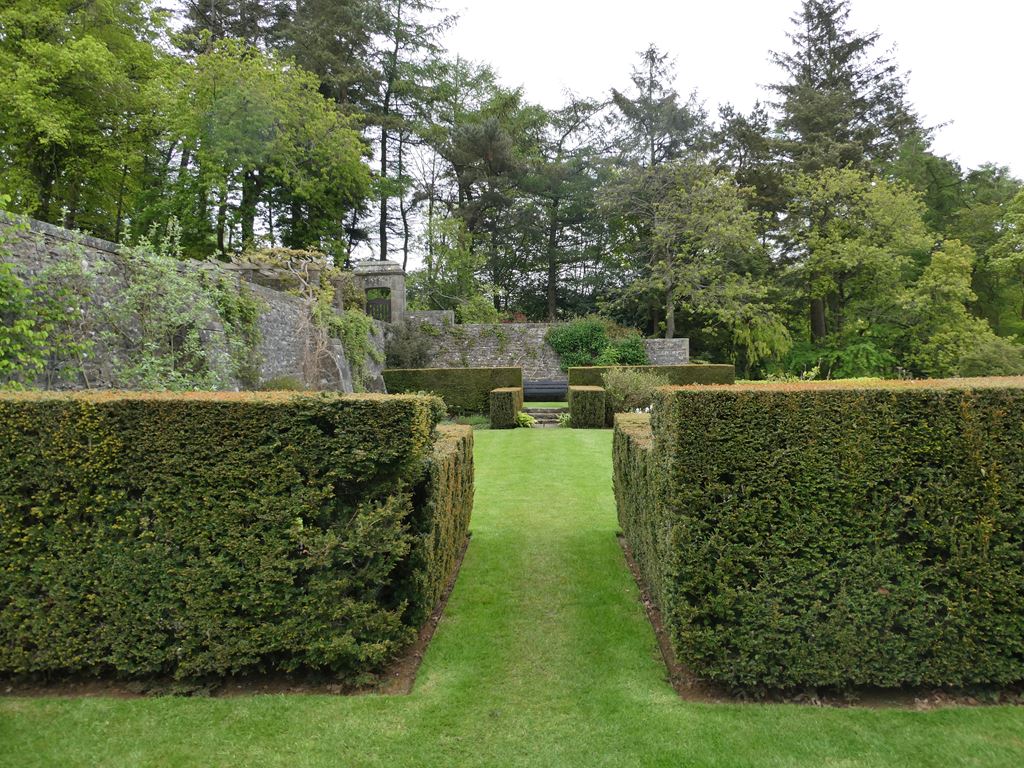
544	658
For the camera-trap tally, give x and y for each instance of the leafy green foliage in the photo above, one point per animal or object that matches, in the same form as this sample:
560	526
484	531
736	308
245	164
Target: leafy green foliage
409	344
630	389
139	541
22	338
464	390
80	106
827	535
595	340
356	331
525	420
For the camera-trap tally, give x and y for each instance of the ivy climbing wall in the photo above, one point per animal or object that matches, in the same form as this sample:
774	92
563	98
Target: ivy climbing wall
287	350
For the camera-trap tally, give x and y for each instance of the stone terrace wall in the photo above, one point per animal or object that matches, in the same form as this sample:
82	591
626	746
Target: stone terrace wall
282	326
517	345
522	345
667	351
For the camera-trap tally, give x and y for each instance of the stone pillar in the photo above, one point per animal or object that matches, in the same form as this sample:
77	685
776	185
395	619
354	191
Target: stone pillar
382	276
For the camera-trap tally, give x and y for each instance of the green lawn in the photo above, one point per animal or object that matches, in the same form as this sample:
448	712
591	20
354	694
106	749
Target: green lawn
544	658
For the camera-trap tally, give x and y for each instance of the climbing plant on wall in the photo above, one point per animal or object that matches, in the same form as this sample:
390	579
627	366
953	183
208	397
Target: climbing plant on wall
142	319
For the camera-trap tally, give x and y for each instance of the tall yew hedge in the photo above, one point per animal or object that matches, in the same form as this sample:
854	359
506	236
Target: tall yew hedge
209	534
833	535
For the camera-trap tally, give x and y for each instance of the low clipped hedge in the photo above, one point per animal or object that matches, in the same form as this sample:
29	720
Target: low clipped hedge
506	403
209	534
681	375
464	390
833	535
587	407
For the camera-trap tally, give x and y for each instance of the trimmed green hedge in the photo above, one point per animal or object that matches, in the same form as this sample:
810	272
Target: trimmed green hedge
506	403
587	407
210	534
439	529
593	376
465	390
819	535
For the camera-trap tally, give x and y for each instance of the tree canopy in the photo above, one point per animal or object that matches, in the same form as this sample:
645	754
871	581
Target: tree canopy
817	234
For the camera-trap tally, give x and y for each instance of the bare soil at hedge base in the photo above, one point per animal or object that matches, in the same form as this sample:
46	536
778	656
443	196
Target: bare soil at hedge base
397	679
691	687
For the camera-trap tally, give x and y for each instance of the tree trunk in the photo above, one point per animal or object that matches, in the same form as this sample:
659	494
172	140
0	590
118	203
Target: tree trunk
295	236
553	263
247	209
670	314
120	204
222	218
818	330
384	194
403	208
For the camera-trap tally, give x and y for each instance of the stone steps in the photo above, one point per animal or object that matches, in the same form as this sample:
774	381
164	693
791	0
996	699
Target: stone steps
545	417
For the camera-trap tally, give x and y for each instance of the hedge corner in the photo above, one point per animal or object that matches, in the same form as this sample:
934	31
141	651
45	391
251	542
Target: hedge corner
505	404
587	407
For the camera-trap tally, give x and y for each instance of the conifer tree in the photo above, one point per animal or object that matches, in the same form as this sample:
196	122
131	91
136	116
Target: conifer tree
840	105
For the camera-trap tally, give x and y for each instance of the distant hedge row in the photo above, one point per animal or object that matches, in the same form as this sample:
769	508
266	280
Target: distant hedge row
593	376
816	535
587	407
145	535
505	405
464	390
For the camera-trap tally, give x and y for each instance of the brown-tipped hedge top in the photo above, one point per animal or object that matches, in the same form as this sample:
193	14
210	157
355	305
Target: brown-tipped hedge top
990	382
273	396
680	375
636	425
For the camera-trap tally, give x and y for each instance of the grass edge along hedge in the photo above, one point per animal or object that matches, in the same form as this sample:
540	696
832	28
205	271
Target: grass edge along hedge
586	407
833	535
206	534
505	405
680	375
464	390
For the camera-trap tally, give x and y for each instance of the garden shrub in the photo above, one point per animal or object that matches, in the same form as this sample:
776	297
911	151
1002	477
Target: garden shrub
464	390
409	344
587	407
525	420
992	357
681	375
833	534
506	402
210	534
626	351
596	340
629	389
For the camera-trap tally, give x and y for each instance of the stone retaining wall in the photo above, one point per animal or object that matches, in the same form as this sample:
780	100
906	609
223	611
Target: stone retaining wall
499	345
33	245
522	345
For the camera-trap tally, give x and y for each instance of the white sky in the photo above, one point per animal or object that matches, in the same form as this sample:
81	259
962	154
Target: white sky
963	55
